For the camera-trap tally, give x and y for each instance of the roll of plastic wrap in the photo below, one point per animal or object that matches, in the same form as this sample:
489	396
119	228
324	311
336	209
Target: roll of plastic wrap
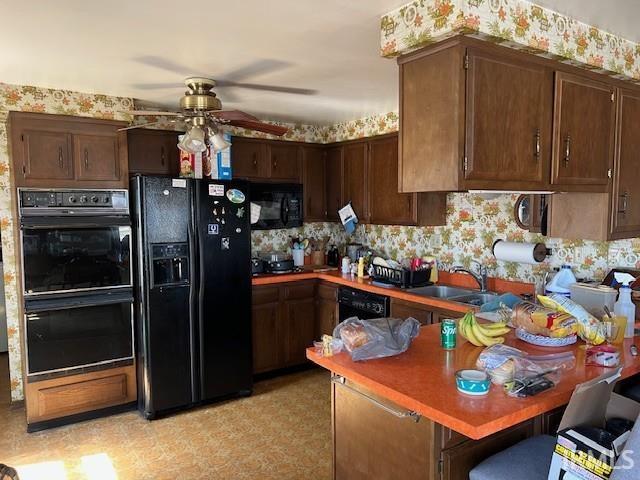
519	252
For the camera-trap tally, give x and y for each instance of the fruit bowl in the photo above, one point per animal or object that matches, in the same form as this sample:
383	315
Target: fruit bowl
542	341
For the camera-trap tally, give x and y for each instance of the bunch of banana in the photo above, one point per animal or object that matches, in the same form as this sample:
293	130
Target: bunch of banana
482	334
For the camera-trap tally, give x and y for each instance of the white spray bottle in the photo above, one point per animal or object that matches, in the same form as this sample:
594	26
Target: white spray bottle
624	307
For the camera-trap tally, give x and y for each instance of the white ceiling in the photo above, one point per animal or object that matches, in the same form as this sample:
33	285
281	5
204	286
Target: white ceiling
330	46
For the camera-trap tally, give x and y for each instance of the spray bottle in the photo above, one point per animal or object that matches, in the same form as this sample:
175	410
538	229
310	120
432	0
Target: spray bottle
624	307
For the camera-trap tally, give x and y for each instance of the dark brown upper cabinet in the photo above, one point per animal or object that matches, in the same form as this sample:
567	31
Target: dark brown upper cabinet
249	158
584	132
355	178
64	151
266	160
625	196
333	173
153	152
314	183
284	161
474	116
386	205
508	121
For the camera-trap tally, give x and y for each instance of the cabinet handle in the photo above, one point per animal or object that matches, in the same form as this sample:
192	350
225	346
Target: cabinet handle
625	199
86	159
255	160
275	163
338	380
162	156
536	151
567	150
60	158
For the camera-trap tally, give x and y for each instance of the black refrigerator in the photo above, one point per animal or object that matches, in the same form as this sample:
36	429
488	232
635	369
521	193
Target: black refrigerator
193	291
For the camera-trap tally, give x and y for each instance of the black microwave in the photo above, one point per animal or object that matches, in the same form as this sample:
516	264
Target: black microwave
276	205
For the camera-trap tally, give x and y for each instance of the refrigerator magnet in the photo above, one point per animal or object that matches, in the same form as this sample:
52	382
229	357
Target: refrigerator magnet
213	229
235	196
216	190
225	243
240	212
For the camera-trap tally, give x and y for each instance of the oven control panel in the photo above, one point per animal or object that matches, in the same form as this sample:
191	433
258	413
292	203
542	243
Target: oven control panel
68	201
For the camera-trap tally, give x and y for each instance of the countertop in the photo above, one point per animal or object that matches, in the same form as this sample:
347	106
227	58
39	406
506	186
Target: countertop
455	279
422	380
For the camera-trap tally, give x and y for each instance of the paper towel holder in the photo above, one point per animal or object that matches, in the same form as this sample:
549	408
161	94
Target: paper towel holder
540	250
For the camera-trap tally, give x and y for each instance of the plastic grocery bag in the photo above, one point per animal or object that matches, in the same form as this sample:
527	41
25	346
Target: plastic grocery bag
376	338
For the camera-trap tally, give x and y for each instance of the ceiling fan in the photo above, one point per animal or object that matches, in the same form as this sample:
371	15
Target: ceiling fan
201	110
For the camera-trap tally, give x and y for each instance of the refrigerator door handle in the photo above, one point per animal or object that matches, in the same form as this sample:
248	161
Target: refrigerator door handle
194	291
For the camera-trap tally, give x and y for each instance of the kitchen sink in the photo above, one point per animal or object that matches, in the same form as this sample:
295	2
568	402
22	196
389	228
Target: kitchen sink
476	299
440	291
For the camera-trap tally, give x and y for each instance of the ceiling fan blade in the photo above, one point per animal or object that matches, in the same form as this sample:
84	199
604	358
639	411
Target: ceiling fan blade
152	113
157	86
233	115
259	67
142	125
268	88
164	64
260	127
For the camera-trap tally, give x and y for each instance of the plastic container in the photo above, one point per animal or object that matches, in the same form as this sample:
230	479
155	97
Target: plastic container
626	308
561	282
594	297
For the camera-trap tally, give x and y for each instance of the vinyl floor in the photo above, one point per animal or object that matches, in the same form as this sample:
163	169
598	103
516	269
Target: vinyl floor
283	431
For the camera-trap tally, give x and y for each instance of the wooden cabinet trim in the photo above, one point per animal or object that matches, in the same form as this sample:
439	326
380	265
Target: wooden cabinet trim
85	392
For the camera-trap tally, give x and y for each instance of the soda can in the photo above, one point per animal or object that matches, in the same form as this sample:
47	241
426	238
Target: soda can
448	334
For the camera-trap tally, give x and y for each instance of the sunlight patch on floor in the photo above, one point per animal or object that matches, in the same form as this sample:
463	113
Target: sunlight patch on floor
93	467
49	470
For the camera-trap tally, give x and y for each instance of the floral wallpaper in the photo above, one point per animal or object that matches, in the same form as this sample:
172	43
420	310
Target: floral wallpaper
44	100
516	23
266	241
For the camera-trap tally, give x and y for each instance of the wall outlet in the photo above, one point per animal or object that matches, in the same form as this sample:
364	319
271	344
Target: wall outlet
579	254
436	241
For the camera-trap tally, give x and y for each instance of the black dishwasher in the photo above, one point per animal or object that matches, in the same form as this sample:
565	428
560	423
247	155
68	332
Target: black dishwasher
364	305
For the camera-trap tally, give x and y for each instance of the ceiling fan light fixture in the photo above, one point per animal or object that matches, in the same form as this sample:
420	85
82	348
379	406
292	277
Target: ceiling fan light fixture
193	140
217	141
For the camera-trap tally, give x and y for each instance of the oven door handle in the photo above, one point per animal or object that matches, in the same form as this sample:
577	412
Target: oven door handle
75	222
36	305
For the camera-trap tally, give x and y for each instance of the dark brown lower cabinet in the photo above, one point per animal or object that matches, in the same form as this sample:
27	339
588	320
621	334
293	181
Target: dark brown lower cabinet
326	309
283	324
374	438
424	314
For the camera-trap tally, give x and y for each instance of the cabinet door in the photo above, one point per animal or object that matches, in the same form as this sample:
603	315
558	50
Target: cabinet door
458	461
153	152
300	315
326	310
370	442
508	126
96	156
315	205
386	205
355	178
583	134
46	155
285	162
334	175
403	309
626	198
249	158
267	342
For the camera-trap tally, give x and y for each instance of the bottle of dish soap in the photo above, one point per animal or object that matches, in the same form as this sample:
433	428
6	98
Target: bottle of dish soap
624	307
560	282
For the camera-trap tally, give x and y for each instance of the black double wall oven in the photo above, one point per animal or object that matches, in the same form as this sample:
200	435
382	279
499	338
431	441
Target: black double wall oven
77	279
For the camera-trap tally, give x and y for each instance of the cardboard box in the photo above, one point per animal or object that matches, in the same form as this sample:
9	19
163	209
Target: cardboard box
580	452
221	163
190	164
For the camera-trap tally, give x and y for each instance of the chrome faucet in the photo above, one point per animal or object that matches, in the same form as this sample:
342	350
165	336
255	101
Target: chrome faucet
480	277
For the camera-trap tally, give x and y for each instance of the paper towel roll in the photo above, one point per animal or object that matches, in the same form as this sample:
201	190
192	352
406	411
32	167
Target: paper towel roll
519	252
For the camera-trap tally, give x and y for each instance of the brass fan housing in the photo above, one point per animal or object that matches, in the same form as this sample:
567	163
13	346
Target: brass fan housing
200	96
